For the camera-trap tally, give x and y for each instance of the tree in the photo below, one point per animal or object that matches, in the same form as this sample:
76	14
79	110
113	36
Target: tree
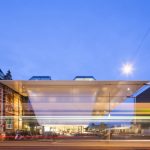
8	76
102	126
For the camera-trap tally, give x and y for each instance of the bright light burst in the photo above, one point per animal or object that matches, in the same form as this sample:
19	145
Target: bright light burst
127	69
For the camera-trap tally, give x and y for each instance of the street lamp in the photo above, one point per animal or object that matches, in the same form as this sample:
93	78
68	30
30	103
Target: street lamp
127	69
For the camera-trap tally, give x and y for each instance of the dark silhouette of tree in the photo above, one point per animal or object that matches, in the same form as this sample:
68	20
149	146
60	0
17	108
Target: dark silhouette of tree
8	76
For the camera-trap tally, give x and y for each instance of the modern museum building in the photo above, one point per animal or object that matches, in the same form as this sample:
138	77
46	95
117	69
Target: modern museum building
86	108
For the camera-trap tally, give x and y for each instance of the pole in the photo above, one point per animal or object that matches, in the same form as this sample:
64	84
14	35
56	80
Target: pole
109	117
135	109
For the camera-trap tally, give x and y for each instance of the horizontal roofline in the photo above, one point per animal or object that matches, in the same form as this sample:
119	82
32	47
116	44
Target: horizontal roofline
74	82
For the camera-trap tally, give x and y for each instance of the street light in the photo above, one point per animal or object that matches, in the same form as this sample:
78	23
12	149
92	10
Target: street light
127	69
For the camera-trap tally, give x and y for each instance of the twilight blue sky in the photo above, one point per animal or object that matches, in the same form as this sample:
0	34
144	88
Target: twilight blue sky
65	38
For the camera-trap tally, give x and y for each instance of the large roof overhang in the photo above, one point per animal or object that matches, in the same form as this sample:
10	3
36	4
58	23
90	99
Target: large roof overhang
75	97
22	85
111	87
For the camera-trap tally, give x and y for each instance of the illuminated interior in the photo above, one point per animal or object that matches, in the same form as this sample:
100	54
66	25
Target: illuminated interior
75	108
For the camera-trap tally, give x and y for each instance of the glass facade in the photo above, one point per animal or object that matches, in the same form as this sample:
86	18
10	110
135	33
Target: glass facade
104	110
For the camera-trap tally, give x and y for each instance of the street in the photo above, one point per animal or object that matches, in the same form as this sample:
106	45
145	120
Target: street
75	145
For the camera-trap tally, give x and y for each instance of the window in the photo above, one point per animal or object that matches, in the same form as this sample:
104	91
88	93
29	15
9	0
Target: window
9	124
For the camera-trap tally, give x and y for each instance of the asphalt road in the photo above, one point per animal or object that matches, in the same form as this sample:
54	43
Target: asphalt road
68	148
75	145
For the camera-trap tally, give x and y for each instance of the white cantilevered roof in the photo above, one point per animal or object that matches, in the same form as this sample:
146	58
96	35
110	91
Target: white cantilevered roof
65	87
74	98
